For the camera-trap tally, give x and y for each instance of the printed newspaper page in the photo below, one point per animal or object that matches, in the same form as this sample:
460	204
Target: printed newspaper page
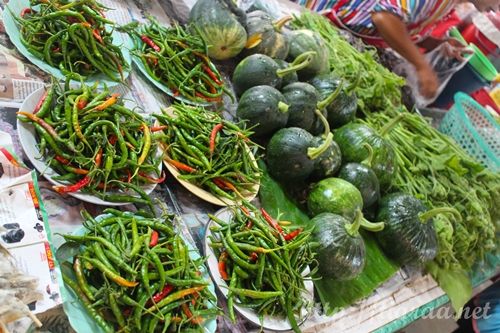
23	227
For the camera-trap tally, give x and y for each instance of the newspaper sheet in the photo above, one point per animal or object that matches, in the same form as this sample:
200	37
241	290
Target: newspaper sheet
23	226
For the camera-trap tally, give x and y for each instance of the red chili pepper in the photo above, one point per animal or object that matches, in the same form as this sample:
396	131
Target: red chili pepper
153	180
129	176
112	139
161	294
82	102
57	49
213	135
150	43
158	128
180	165
127	312
249	224
208	99
61	160
154	238
75	187
220	184
271	221
176	92
97	36
40	102
222	266
98	158
253	256
293	234
212	75
26	11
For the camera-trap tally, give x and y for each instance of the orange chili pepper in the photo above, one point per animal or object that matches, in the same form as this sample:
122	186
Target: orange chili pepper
97	36
213	136
180	165
107	103
98	158
195	320
158	128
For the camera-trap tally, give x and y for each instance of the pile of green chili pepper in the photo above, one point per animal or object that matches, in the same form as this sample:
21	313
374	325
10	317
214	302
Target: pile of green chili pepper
134	274
72	36
209	151
178	60
95	143
262	262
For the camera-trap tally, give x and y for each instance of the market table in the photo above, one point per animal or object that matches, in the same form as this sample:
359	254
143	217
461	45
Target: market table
406	297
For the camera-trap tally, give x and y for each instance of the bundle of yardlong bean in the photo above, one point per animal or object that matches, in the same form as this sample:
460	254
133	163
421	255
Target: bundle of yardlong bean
179	60
72	36
209	151
263	262
95	143
135	274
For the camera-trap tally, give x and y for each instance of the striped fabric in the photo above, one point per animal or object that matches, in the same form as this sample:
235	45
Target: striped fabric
356	14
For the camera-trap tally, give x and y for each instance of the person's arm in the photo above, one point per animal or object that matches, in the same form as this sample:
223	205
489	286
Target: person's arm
392	29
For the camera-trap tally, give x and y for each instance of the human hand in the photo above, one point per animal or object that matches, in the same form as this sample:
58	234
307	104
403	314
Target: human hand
454	48
427	81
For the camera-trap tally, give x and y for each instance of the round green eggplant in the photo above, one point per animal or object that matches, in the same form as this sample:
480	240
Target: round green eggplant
341	250
335	195
255	70
307	40
291	154
353	140
302	99
328	163
343	109
364	179
264	108
271	41
409	236
289	78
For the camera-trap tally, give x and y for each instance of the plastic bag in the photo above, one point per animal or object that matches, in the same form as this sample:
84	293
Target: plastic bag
444	67
269	6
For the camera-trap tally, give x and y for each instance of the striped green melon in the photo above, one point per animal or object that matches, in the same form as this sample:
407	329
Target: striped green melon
221	25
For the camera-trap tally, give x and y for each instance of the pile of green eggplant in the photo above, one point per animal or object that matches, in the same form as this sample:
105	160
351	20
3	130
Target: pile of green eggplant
307	115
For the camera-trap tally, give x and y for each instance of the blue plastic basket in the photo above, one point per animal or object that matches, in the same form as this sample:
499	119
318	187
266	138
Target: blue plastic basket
473	128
